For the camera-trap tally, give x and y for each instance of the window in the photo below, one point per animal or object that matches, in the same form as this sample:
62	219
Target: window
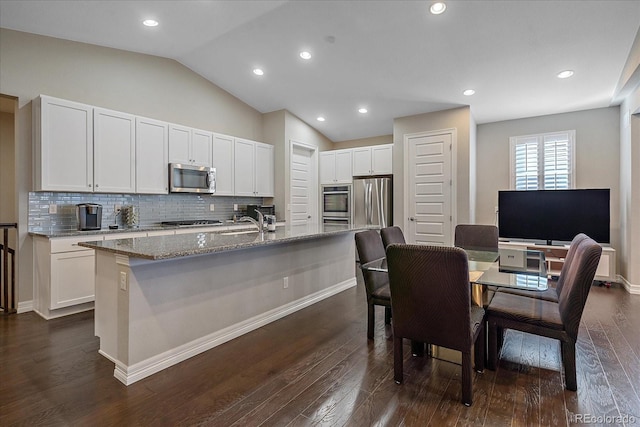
543	162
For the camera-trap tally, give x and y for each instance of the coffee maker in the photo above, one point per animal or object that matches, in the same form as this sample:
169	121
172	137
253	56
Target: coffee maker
89	216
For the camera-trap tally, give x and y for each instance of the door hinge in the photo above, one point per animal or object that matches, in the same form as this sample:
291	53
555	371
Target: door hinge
450	145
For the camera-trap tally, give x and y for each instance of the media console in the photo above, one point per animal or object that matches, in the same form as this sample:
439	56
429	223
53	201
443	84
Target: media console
555	256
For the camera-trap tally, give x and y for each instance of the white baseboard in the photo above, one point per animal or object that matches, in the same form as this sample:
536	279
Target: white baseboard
130	374
25	306
630	287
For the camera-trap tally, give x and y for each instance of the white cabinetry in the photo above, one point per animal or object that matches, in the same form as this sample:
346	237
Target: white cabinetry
253	168
222	160
555	256
152	155
114	149
335	167
375	160
189	146
63	149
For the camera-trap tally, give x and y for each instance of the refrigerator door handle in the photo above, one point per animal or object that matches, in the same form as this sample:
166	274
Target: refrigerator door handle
382	196
370	204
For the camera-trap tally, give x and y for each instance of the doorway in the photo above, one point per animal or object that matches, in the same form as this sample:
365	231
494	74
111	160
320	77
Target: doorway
303	185
429	187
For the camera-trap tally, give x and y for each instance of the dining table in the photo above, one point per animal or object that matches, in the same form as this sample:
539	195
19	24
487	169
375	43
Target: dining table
489	270
523	269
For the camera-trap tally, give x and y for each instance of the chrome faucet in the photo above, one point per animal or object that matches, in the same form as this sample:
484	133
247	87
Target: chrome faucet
259	223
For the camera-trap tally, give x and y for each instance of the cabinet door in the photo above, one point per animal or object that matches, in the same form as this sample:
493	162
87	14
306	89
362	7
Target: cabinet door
72	278
362	161
382	159
222	160
328	167
152	156
244	171
64	145
343	166
264	170
201	147
179	144
114	149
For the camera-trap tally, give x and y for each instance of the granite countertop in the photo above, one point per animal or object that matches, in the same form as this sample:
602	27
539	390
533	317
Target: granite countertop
174	246
103	231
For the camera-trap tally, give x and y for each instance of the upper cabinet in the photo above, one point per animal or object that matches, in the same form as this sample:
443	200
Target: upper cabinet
222	161
152	154
63	145
374	160
189	146
253	168
114	149
335	167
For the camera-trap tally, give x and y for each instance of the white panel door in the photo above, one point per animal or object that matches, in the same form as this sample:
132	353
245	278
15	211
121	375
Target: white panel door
303	181
429	191
152	156
114	152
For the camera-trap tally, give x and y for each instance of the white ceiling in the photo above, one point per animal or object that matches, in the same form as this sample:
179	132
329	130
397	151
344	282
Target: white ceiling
393	57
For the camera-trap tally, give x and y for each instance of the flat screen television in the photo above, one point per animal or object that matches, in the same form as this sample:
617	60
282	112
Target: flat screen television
554	215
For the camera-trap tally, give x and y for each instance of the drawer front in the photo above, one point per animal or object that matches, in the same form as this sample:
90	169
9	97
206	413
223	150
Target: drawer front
70	244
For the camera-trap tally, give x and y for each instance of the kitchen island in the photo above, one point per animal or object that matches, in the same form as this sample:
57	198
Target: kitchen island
160	300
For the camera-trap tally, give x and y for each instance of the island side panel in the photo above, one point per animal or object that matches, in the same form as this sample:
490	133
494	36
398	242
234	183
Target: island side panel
176	308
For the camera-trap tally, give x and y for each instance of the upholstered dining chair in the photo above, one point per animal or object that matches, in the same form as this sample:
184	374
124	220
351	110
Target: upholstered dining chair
391	235
555	288
430	303
370	248
546	318
476	236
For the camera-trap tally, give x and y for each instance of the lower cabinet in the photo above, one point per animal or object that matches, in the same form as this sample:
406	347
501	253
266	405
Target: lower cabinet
72	278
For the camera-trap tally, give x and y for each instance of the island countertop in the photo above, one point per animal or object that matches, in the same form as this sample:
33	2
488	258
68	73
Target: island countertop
175	246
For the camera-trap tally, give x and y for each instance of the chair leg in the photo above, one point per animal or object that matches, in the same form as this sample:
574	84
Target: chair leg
492	359
569	362
479	349
467	385
370	320
387	315
417	348
397	359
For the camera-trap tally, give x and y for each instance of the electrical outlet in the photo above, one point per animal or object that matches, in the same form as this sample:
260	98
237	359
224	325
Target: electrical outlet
212	207
53	209
123	280
117	208
235	207
285	282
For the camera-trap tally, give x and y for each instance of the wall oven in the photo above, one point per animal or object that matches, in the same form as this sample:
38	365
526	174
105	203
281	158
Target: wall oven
336	204
191	179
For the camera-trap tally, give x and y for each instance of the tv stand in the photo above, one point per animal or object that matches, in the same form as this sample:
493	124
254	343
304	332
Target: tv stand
555	255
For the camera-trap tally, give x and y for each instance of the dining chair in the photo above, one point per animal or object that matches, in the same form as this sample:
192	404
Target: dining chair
476	236
546	318
430	301
553	292
376	283
391	235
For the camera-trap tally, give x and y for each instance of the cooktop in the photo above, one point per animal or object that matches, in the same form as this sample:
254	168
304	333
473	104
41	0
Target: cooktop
191	222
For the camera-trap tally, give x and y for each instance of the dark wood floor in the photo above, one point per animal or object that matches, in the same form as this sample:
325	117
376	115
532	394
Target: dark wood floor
316	367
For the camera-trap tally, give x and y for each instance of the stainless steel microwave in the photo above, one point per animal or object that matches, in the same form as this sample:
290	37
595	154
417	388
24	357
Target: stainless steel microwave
191	179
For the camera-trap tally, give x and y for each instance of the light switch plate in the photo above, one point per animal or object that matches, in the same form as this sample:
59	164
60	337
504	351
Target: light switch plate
211	207
53	209
123	280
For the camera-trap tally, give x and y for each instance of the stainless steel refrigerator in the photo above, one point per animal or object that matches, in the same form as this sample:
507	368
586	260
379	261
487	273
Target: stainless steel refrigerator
373	201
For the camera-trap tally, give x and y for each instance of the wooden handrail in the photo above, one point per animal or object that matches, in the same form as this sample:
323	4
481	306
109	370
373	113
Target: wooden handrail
8	292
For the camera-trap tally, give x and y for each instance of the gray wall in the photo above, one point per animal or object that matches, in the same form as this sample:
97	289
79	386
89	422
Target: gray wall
597	156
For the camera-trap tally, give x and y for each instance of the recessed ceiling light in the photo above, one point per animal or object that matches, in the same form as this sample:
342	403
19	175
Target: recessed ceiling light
437	8
565	74
150	23
305	55
469	92
320	119
363	111
258	71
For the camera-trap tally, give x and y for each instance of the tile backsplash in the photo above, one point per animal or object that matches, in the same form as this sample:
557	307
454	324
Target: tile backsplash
152	209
